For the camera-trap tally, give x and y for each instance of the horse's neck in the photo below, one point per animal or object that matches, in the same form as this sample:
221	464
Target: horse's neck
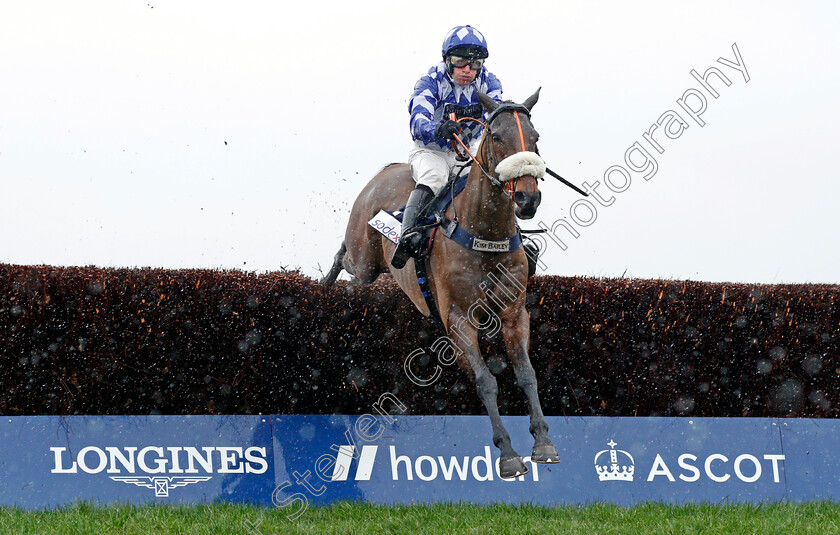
485	210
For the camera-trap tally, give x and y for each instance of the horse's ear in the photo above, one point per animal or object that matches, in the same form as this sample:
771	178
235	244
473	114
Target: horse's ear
530	101
488	103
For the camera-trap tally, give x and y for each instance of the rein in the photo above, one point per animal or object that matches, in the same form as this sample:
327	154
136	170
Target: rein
509	187
451	229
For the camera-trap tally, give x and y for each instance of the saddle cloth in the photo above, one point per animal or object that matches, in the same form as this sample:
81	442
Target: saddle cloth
386	222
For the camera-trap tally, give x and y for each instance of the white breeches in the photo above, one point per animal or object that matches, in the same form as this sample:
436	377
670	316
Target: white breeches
431	168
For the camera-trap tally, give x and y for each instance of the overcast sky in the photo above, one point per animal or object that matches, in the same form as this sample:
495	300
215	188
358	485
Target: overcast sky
237	134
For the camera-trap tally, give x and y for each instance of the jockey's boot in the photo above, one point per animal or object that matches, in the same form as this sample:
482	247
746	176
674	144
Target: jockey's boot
410	237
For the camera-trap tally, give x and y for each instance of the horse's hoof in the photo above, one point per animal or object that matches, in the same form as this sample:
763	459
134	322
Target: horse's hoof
546	453
513	467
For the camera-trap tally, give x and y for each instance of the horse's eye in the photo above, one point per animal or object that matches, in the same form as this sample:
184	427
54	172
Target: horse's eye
495	138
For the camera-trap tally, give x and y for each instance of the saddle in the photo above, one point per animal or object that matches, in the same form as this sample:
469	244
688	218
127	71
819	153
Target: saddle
433	218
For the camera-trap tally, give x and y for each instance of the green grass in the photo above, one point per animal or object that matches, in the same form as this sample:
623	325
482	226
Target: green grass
777	519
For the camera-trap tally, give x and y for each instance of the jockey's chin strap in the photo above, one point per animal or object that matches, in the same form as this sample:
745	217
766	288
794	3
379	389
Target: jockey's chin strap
509	186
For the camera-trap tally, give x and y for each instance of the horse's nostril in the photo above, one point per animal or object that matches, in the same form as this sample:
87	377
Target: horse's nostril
519	198
537	198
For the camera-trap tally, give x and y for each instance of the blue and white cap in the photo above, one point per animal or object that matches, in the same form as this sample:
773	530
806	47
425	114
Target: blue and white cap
466	38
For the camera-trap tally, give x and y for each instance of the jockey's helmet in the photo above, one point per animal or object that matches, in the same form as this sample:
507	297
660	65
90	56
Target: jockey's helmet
465	41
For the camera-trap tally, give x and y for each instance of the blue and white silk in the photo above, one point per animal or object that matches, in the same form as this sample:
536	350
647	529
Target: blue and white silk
436	89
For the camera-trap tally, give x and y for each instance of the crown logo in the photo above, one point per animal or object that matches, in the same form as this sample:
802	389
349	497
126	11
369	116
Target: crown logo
610	470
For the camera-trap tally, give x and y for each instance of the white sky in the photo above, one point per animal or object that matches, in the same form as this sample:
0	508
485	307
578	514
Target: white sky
114	118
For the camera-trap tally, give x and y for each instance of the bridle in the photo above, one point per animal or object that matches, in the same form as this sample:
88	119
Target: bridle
509	186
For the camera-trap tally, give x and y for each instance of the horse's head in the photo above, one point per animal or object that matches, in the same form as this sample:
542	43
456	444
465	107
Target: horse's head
510	149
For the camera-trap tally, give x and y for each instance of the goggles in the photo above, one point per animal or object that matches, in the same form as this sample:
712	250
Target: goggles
461	61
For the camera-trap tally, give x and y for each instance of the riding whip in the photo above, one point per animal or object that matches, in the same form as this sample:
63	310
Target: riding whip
564	181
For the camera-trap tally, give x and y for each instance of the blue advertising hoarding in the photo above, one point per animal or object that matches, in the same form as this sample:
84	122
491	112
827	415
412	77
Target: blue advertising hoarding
294	461
813	470
616	460
48	461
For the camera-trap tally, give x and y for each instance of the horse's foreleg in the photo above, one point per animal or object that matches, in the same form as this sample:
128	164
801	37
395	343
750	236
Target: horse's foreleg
515	333
330	277
469	359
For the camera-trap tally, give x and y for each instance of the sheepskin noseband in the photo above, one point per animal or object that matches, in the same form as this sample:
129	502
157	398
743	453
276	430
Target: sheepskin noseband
521	164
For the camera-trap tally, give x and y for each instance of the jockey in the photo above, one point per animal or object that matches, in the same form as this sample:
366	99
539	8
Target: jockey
450	86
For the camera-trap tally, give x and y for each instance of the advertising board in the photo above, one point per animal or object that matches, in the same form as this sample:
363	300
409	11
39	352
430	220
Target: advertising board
297	461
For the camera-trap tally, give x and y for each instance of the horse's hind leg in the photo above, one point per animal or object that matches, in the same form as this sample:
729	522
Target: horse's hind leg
363	272
515	332
336	268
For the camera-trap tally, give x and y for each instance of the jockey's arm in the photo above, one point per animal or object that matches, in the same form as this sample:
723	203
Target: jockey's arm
421	106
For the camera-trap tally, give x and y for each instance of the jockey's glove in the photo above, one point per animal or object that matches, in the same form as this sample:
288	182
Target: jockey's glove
447	130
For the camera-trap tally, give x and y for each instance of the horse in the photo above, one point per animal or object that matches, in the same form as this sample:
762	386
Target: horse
468	285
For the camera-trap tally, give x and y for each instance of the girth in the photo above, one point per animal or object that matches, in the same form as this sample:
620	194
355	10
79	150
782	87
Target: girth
456	233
